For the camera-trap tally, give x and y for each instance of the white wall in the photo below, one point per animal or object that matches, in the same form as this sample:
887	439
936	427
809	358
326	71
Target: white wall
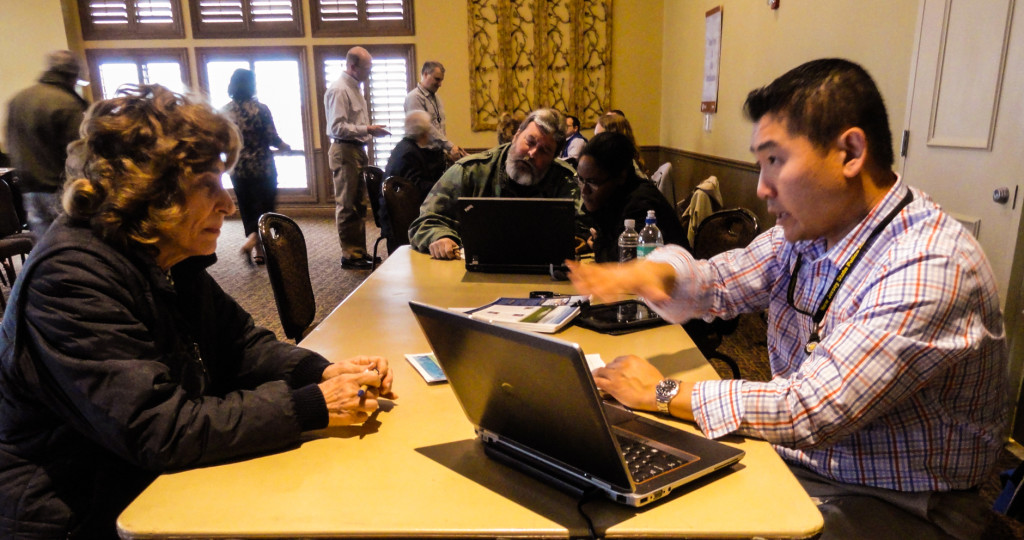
28	30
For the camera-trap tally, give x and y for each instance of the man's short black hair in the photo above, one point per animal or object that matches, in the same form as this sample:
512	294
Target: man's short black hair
612	153
429	66
823	98
575	121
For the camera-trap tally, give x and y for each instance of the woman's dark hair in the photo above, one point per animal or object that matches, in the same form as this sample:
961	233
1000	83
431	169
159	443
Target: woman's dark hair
823	98
128	171
243	85
612	152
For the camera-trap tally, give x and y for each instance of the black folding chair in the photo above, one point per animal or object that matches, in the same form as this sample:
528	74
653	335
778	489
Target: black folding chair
288	269
719	232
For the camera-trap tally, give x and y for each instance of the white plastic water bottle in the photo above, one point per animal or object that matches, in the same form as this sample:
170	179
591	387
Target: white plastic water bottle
650	237
628	241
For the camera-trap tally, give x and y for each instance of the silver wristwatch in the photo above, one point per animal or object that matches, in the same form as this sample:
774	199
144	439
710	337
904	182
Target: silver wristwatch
664	392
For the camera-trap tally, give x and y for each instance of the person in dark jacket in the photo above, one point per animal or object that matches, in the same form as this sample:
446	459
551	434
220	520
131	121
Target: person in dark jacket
255	175
41	121
414	159
120	357
612	192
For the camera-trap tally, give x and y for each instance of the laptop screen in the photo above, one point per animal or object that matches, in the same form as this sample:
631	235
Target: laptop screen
537	392
515	235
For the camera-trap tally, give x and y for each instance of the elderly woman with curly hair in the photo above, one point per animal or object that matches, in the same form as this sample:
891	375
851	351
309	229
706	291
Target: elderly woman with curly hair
120	357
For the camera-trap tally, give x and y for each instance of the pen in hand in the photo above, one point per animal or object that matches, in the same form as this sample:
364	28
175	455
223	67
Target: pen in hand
364	387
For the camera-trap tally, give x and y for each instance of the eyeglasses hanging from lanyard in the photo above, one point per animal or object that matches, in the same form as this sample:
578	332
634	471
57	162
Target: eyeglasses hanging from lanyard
819	314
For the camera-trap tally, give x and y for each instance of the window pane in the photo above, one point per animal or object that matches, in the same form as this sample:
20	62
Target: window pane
384	10
154	12
361	17
114	74
164	73
339	10
387	104
130	19
277	87
108	12
271	11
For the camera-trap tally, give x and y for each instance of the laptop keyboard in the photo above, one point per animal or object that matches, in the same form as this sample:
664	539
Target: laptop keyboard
645	461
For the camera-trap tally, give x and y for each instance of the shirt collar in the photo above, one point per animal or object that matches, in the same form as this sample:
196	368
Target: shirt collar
349	80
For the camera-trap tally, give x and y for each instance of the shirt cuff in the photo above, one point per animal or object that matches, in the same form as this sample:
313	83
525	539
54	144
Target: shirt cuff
310	407
686	302
718	406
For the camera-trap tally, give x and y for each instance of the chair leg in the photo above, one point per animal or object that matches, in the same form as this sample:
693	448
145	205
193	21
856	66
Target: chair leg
374	259
8	275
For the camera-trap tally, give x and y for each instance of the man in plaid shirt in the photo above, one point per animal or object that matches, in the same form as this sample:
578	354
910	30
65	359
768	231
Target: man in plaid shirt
889	393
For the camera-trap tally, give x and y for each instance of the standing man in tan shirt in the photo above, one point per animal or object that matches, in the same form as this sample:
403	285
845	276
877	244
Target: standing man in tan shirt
349	130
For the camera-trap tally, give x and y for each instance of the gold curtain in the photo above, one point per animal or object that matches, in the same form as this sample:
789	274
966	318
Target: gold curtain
528	54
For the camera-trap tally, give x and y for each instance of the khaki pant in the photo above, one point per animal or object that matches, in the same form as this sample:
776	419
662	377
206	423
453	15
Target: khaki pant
347	162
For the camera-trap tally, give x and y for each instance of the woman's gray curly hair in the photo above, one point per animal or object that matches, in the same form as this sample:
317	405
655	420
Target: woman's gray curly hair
127	172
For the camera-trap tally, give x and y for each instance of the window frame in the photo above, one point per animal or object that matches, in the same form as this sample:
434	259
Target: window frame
94	32
321	53
283	52
247	28
139	56
362	27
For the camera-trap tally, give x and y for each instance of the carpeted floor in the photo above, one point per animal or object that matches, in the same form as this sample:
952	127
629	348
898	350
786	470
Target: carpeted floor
251	287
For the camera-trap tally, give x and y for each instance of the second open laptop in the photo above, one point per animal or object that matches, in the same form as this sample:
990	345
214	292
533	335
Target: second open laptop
534	405
516	236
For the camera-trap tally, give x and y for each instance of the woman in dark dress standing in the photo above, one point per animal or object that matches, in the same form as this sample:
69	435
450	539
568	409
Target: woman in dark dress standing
255	176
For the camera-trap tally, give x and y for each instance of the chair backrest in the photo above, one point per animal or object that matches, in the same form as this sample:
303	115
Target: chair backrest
663	179
402	198
374	178
724	230
288	268
9	221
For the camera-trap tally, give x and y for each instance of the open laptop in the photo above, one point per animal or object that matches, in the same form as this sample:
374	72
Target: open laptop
516	236
534	405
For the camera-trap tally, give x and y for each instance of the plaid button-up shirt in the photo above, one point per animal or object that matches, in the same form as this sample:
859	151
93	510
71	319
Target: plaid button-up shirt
908	388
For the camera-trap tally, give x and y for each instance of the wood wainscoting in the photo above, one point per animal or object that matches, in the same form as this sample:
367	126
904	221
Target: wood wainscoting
737	179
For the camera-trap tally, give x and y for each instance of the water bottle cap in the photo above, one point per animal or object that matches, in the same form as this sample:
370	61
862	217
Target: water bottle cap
629	223
650	213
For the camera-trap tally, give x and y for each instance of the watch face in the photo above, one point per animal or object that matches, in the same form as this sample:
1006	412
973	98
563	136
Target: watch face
667	388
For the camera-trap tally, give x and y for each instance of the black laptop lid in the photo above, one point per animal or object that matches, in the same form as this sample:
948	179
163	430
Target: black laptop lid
539	395
515	235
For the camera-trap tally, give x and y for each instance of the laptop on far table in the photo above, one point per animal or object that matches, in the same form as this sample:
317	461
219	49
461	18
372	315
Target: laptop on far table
534	405
516	236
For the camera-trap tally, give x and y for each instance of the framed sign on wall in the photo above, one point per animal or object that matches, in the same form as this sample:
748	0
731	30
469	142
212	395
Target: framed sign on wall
712	55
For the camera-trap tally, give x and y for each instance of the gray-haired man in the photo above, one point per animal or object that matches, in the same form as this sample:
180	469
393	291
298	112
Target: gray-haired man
526	167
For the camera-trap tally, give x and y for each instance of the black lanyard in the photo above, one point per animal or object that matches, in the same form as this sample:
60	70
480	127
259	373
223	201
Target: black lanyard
819	314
